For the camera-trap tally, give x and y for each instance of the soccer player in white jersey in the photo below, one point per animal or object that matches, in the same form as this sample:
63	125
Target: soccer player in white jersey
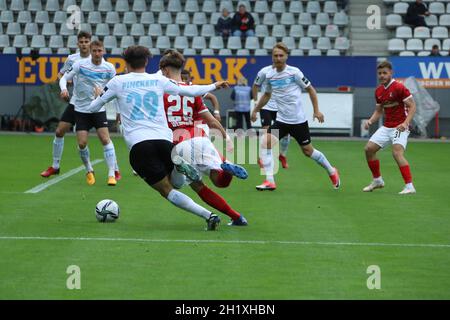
90	73
285	83
145	128
68	117
268	116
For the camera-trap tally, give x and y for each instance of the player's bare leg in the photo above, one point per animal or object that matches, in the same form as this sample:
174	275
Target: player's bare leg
398	152
217	202
268	141
371	150
182	201
109	154
82	138
309	151
58	147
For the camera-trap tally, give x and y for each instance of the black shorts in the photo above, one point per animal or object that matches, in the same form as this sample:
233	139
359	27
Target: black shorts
267	117
69	114
86	121
299	131
152	160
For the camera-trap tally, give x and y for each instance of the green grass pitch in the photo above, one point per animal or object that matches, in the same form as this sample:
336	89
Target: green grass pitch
305	240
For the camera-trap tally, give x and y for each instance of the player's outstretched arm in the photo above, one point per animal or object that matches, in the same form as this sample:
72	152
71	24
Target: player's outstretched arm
106	95
375	116
411	105
194	90
260	104
315	103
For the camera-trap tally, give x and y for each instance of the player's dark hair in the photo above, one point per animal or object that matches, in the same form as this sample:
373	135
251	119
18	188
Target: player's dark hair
185	75
281	46
97	43
137	56
175	60
169	51
384	64
83	34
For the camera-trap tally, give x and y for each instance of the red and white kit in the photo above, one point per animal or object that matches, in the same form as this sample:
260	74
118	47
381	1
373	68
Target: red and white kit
192	143
392	99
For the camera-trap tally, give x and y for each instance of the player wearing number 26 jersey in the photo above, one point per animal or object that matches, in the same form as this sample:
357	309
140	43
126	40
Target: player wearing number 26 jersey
183	115
395	101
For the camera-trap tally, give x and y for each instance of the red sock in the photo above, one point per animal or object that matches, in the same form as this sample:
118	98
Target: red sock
216	201
374	166
223	179
406	174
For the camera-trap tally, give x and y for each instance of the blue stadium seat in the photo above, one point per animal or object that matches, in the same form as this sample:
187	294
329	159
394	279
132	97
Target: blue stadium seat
35	5
137	30
24	17
145	41
31	29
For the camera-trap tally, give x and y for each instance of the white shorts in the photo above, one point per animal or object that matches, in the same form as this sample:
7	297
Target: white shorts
201	153
385	136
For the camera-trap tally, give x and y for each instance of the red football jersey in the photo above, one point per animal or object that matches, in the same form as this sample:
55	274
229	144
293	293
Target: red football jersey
392	98
183	114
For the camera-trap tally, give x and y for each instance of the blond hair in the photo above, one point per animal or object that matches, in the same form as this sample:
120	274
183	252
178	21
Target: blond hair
281	46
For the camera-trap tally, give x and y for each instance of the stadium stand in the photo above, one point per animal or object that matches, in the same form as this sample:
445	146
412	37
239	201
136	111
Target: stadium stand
184	24
407	40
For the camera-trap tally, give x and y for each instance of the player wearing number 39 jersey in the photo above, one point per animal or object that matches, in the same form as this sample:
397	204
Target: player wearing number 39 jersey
183	115
396	102
145	129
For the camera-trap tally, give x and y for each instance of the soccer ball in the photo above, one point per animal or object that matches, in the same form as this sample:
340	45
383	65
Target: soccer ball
107	211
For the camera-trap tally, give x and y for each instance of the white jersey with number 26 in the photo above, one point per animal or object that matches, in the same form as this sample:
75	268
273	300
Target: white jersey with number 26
141	104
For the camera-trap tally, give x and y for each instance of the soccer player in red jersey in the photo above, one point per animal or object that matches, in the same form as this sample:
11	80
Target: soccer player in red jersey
396	102
193	145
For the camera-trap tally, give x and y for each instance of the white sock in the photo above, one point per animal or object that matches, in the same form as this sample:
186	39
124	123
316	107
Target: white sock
379	179
58	147
267	162
320	158
184	202
85	157
409	185
284	145
110	157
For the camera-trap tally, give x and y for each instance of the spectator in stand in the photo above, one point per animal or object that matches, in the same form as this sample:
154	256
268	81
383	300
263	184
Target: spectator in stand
435	51
416	13
242	96
342	4
224	24
243	23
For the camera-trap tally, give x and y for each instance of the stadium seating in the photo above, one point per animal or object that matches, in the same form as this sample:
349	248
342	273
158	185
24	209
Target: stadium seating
186	24
409	40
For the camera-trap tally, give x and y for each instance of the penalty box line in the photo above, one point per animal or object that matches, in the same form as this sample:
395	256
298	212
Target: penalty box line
66	175
259	242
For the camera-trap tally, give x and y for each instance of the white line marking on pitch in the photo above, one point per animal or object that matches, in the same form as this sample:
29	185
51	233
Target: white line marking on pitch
307	243
47	184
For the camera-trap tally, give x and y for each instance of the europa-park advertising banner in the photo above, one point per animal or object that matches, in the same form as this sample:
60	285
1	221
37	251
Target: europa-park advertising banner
430	72
329	72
